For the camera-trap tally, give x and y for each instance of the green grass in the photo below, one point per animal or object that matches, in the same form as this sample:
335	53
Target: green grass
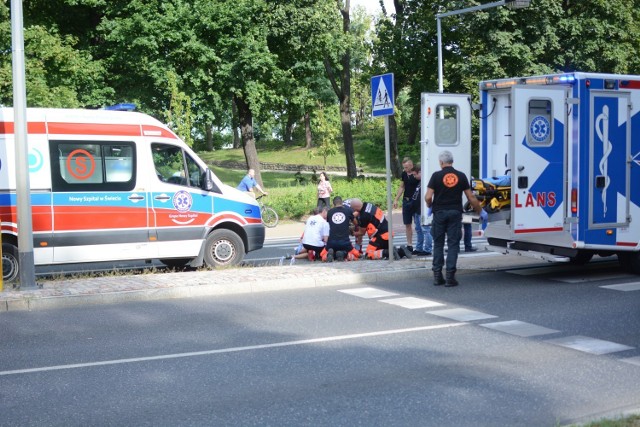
630	421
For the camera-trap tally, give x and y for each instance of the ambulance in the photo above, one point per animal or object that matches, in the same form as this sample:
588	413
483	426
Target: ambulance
119	185
569	144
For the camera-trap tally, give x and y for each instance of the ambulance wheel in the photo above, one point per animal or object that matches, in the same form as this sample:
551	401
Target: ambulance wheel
630	261
581	258
10	264
223	248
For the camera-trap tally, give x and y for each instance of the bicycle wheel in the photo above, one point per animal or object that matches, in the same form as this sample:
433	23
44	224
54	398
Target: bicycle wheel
269	217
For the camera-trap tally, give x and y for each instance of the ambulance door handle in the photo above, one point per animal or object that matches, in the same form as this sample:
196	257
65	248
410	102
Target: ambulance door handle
162	197
520	168
136	197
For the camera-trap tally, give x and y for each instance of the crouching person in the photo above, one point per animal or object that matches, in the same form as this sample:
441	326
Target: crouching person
339	244
372	221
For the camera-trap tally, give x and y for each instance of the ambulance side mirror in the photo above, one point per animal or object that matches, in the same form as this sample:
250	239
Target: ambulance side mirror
208	184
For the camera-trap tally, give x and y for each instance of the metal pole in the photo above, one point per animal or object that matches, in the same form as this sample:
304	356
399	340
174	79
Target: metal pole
440	83
23	193
389	198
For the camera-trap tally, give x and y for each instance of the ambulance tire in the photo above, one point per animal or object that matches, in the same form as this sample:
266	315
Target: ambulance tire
581	258
630	261
10	264
223	248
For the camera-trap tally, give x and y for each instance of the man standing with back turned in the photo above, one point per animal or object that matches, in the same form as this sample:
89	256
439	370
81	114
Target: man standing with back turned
444	197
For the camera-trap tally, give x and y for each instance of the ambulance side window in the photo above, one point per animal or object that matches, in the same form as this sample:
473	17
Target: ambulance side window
92	165
175	166
447	125
540	120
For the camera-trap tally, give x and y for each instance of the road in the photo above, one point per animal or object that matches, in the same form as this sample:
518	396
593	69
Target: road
537	346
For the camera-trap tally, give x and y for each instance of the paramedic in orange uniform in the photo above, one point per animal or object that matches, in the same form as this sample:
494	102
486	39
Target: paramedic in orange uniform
372	221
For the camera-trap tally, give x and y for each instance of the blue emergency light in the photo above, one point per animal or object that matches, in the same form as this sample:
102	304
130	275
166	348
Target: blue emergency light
121	107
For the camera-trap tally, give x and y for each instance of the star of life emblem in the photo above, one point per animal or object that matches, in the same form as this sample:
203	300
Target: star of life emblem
182	201
540	128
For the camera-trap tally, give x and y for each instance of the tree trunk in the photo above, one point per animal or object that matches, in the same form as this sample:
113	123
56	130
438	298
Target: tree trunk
341	84
237	140
288	130
248	142
415	124
209	137
307	130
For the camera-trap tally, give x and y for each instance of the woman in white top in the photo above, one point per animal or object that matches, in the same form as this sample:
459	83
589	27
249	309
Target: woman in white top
324	191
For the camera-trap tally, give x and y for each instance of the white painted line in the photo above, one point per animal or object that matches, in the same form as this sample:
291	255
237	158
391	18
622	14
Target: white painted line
632	360
589	345
412	302
522	329
591	278
624	287
367	292
462	314
232	349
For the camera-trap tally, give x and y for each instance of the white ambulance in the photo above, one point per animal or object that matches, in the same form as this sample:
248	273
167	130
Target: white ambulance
570	146
116	185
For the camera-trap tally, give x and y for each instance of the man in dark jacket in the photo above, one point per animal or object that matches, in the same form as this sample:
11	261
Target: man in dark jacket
444	198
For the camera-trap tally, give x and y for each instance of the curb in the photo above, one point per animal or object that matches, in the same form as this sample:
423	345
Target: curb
320	277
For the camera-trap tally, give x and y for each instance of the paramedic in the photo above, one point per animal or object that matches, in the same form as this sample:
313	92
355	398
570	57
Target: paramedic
406	190
372	221
248	183
339	243
444	198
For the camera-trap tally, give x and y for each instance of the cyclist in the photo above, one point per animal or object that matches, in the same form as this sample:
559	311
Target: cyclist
249	182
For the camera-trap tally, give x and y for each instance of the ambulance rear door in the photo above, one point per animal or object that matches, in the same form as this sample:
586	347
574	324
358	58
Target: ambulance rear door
445	125
538	161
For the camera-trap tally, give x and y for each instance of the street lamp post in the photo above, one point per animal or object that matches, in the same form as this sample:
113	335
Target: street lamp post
512	4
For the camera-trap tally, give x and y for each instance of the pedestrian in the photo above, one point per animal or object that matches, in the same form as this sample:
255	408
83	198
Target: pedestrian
406	190
444	198
339	244
324	191
468	234
372	221
249	182
315	235
424	240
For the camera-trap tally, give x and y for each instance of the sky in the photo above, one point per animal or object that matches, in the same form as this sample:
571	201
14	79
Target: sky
373	6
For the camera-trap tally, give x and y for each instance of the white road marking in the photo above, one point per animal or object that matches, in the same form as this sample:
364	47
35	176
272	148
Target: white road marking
412	302
522	329
589	345
232	349
367	292
625	287
632	360
462	314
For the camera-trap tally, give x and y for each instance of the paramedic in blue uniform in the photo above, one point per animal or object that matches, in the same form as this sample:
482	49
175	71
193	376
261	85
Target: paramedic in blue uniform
248	183
444	199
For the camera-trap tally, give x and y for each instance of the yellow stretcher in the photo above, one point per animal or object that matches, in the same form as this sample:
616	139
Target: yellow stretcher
494	194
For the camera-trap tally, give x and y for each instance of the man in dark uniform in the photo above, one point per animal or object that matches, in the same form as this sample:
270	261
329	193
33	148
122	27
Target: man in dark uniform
444	197
339	242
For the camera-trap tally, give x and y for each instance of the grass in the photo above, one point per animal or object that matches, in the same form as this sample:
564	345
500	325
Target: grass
630	421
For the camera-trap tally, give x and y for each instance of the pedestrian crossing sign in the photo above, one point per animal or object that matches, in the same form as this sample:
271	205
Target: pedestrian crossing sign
382	95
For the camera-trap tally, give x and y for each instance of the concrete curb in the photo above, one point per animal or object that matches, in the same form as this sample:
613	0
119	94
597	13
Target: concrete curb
159	287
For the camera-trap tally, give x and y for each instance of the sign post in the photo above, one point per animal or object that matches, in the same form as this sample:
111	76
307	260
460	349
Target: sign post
382	105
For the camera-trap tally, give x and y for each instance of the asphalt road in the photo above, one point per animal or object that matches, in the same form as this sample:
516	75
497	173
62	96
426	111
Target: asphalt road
540	346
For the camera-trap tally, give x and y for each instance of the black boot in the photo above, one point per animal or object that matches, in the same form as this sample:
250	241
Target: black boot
438	280
451	279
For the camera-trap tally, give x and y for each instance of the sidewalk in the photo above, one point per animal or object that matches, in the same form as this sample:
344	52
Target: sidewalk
156	286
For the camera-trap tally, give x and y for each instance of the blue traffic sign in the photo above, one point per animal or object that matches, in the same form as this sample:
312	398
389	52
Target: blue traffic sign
382	95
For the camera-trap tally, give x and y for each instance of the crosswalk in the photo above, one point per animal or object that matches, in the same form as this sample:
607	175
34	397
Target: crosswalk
512	327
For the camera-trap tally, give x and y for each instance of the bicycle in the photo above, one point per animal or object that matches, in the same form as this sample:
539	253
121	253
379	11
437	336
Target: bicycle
269	215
